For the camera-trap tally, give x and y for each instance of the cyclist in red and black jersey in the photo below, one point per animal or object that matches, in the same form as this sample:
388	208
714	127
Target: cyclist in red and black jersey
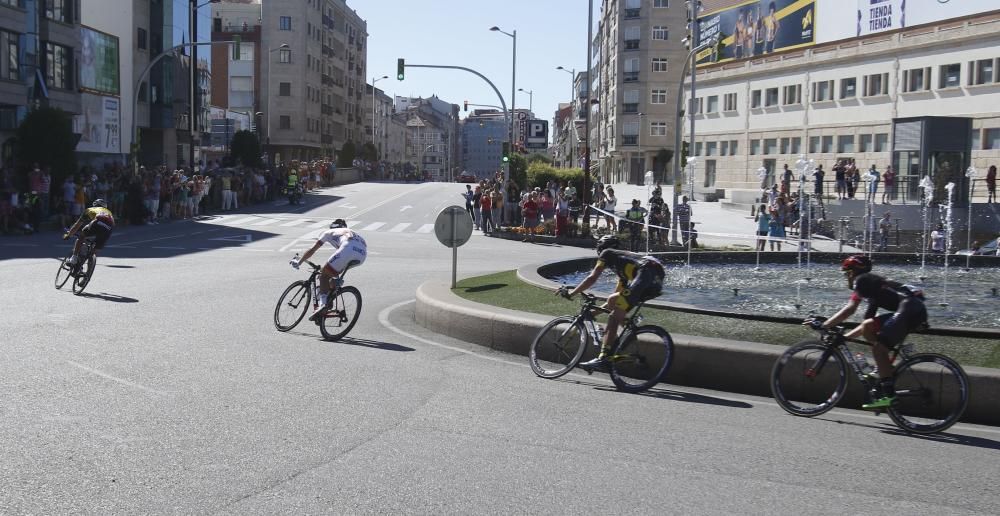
97	222
885	331
639	278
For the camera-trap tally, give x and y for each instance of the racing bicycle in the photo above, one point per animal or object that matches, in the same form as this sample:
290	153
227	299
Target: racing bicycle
810	378
82	270
639	359
343	304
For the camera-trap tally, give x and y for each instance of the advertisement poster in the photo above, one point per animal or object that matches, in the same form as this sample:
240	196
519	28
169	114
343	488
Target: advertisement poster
756	28
99	71
880	15
99	124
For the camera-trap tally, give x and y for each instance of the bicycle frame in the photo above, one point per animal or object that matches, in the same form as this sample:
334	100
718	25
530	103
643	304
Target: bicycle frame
586	316
836	342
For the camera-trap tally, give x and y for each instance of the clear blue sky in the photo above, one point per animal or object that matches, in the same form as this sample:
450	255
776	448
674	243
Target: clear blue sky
550	33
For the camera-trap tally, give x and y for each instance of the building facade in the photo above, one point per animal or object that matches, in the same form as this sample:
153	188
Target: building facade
483	134
314	63
377	119
437	126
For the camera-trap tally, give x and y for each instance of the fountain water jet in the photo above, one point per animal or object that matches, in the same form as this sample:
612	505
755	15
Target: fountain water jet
927	188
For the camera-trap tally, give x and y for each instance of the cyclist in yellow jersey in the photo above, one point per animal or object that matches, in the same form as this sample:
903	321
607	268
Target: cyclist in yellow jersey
97	222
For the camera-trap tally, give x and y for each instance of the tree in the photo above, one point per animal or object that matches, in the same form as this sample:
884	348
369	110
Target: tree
519	170
46	137
539	158
347	153
245	148
369	152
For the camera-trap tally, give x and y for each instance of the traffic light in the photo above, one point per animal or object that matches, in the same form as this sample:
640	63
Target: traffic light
506	152
466	105
237	40
400	66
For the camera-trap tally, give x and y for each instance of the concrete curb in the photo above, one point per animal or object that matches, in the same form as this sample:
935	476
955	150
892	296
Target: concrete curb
726	365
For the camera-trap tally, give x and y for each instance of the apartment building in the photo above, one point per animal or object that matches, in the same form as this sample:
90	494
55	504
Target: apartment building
314	56
432	135
482	135
378	114
918	89
639	58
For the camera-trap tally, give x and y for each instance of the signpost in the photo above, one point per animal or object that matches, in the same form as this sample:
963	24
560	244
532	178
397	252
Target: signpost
538	134
453	227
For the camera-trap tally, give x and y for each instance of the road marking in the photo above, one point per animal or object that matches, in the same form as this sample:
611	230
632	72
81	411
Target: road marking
234	238
115	378
348	206
321	224
295	222
404	208
185	235
20	245
426	228
373	226
245	220
168	247
266	222
399	227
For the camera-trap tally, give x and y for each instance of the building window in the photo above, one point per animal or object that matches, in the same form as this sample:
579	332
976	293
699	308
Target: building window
983	72
822	91
882	142
631	70
58	10
697	105
697	149
711	148
57	62
631	38
950	75
876	84
732	147
991	139
632	8
796	145
284	89
770	146
729	102
658	97
827	144
917	79
284	122
710	172
661	3
659	64
140	38
814	145
848	88
246	51
792	95
724	148
785	145
712	104
865	143
845	144
755	99
771	97
285	23
754	147
284	56
977	139
240	91
630	133
9	62
657	128
631	103
660	32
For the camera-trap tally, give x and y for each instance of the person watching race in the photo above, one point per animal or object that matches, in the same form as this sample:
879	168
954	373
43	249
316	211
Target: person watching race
348	246
97	222
885	331
639	278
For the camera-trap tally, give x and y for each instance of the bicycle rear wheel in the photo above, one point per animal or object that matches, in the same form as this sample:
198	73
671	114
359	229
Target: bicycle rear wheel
344	311
64	272
640	358
809	379
82	279
558	347
292	306
932	392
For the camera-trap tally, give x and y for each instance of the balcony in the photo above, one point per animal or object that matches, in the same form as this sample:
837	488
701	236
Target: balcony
328	22
326	80
631	14
630	76
328	52
326	109
630	139
631	44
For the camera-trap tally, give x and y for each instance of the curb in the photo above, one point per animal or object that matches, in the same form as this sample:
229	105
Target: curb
719	364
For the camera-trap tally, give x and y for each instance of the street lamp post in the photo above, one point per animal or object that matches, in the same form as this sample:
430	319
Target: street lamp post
270	151
513	78
572	114
531	98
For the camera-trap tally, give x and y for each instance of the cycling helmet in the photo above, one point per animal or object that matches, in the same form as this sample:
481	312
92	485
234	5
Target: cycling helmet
608	242
867	285
339	223
858	263
99	203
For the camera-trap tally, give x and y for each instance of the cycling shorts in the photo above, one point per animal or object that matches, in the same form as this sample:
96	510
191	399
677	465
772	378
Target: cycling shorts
99	231
353	250
647	284
892	329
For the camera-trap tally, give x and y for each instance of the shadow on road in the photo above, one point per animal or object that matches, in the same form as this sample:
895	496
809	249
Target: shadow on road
388	346
945	438
114	298
119	266
666	394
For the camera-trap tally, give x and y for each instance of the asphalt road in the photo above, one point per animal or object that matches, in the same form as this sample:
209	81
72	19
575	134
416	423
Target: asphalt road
166	389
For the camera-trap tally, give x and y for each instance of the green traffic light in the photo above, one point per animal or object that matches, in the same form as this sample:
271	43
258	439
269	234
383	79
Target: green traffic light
400	67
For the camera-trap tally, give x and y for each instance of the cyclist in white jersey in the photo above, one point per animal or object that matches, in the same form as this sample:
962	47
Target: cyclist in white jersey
348	246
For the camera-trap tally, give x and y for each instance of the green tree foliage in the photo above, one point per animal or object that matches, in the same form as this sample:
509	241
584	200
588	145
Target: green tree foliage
369	152
46	137
347	154
539	174
519	170
245	149
539	158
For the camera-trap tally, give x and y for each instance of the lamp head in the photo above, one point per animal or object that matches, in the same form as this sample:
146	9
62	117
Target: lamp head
494	28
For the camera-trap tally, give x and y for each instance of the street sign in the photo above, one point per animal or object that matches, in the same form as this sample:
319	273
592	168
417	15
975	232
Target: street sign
538	134
453	226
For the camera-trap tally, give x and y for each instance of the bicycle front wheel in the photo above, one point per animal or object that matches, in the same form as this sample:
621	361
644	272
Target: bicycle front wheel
344	311
64	272
82	279
640	358
292	306
558	347
932	392
809	379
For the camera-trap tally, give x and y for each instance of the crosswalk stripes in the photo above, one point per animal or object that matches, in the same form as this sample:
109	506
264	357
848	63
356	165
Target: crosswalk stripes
317	225
320	224
242	221
265	222
373	226
293	223
398	228
426	228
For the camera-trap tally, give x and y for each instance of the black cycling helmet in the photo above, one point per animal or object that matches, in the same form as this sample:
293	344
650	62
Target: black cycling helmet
339	223
867	285
99	203
858	263
608	242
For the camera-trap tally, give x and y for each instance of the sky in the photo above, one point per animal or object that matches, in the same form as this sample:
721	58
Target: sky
550	33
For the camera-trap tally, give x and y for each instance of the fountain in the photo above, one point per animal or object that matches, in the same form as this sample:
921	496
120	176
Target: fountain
971	173
691	161
947	240
927	188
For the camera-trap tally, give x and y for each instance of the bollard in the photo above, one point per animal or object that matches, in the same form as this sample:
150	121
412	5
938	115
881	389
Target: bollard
736	292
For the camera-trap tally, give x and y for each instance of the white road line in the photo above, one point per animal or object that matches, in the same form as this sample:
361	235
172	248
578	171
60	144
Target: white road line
244	220
320	224
167	247
115	378
426	228
266	222
20	245
295	222
398	228
373	226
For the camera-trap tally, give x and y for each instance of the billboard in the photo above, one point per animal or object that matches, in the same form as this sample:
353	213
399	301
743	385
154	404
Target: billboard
756	28
99	124
99	67
866	17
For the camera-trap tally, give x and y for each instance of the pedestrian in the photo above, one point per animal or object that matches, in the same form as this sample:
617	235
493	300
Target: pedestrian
609	207
884	228
763	220
468	195
684	214
775	229
635	217
786	181
937	239
854	180
477	216
873	179
991	185
889	185
562	212
496	201
529	214
840	176
818	182
486	212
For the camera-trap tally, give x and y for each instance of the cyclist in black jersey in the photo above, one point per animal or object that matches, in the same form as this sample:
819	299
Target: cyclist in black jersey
885	331
639	278
96	222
